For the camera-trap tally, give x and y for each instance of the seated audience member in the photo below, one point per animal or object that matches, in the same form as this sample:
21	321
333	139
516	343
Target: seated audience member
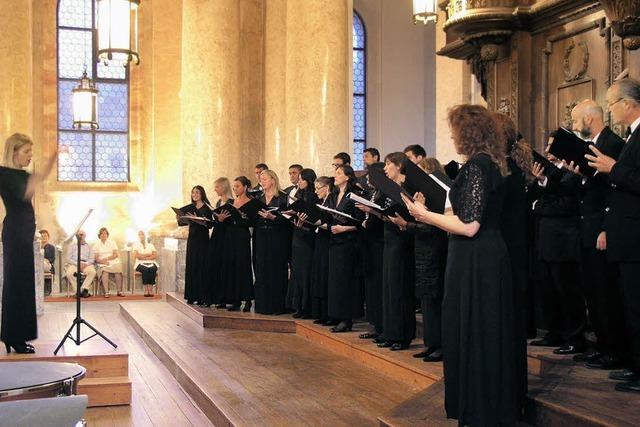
145	256
49	258
108	261
86	265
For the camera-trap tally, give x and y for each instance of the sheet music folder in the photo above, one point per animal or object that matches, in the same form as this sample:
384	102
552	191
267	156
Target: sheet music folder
434	187
568	147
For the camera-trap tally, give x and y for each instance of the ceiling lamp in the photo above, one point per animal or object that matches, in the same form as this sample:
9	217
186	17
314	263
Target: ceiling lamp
118	31
85	104
425	11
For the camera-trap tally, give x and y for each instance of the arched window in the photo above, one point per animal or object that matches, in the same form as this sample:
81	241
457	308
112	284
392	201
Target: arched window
100	155
359	91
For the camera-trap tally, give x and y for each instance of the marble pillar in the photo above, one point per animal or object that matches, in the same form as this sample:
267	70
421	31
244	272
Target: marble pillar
307	83
172	266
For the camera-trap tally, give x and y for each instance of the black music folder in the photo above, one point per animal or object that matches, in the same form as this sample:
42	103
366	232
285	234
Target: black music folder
568	147
339	218
434	187
313	212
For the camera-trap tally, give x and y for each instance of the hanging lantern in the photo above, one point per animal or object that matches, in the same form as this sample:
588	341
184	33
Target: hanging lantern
85	104
118	31
425	11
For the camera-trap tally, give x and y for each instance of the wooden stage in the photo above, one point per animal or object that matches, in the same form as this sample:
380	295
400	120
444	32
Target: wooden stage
218	356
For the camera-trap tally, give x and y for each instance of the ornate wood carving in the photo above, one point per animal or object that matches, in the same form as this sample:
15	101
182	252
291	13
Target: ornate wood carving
513	111
568	108
625	20
616	58
504	107
569	75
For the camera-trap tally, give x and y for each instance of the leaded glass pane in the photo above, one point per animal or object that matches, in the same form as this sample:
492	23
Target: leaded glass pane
112	157
75	13
115	70
359	116
65	104
74	52
113	106
358	72
358	32
75	156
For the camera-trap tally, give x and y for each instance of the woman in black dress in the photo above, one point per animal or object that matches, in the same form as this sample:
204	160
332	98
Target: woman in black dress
17	187
398	271
344	293
515	217
320	261
214	293
480	364
272	246
302	244
236	270
195	280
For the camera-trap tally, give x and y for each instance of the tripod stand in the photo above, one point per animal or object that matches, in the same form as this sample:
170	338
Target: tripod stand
79	320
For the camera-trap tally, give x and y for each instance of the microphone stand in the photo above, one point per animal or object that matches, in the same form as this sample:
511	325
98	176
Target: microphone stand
79	320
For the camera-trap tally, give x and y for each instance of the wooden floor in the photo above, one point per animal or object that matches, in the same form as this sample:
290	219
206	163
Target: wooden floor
99	298
157	398
266	378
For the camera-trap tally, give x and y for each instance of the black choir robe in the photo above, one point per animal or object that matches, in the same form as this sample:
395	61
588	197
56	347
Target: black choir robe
196	284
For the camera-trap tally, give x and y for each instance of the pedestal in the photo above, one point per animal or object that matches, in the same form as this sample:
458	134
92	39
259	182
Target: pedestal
172	262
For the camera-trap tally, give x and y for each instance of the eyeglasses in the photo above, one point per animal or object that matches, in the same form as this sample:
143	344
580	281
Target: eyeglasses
335	165
321	187
611	104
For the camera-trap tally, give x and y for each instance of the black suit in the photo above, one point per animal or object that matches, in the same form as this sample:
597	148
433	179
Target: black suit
598	281
623	234
558	250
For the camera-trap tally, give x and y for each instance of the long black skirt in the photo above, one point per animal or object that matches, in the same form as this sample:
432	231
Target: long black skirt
320	276
237	272
398	288
344	292
213	293
299	294
373	260
271	258
195	281
478	332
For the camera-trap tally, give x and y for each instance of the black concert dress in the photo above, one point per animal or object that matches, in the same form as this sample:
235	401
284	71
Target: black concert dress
19	322
320	274
196	283
477	312
214	292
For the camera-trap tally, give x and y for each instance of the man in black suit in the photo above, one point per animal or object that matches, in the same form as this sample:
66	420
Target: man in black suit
598	281
294	177
622	220
257	190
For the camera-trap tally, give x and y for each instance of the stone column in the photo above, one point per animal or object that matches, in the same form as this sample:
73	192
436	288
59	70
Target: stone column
307	83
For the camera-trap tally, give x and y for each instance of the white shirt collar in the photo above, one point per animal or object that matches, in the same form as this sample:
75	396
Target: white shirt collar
595	138
635	124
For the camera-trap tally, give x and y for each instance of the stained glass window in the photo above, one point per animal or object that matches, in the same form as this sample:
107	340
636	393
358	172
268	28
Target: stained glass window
100	155
359	91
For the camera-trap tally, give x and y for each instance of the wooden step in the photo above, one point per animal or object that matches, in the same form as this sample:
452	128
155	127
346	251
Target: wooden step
111	391
209	317
98	357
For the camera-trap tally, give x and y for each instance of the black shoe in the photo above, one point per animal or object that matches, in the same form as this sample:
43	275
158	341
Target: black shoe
588	356
436	356
624	375
235	307
247	307
331	323
319	321
296	315
400	346
427	351
221	305
385	344
630	387
379	340
306	316
190	302
20	348
344	326
569	349
85	293
368	336
606	362
418	310
545	342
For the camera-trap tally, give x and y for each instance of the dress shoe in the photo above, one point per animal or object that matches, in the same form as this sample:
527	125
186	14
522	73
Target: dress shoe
84	293
605	362
368	336
436	356
379	340
306	316
630	387
569	349
427	351
189	301
399	346
624	375
545	342
319	321
20	348
296	315
331	323
588	356
344	326
385	344
247	307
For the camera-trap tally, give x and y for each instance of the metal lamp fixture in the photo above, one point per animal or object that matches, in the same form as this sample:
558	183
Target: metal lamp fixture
85	104
425	11
118	31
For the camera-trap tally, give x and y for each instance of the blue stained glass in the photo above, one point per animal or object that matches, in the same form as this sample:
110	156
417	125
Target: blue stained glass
359	34
65	104
75	13
359	117
358	72
74	52
113	106
112	157
75	156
